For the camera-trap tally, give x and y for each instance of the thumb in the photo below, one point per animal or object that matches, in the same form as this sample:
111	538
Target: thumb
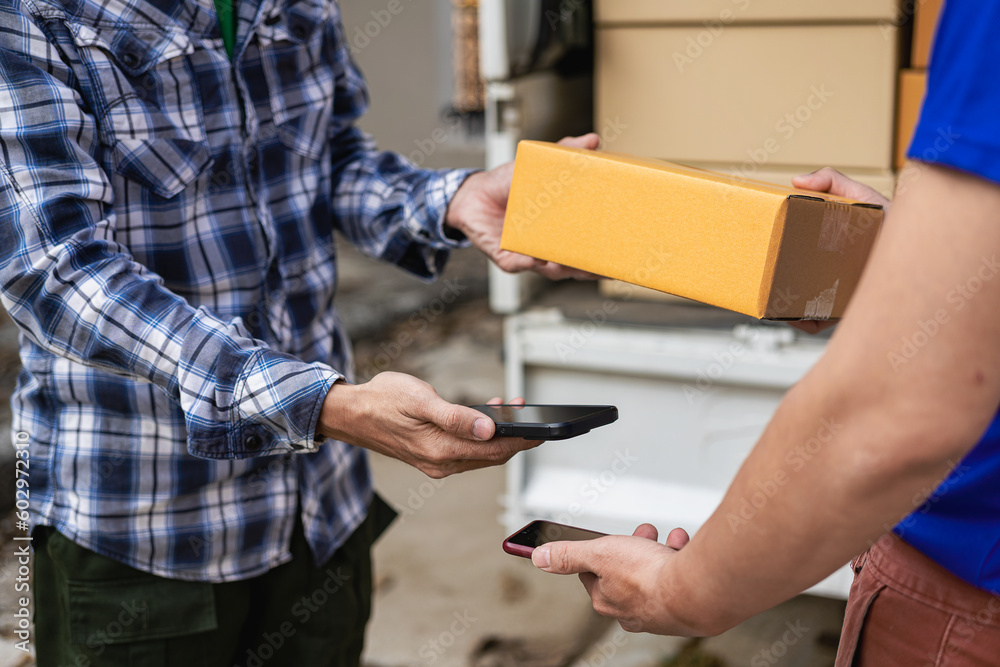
830	180
461	421
589	141
563	557
820	180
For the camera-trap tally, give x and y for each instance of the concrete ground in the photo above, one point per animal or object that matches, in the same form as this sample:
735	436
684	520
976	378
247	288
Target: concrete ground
446	595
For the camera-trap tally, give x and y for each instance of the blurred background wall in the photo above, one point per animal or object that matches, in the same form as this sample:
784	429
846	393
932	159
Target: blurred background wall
406	59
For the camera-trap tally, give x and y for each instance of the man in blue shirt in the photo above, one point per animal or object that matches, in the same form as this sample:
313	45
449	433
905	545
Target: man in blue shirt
900	416
167	212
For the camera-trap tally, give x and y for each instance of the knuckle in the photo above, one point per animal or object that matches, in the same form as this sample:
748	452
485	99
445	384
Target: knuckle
558	557
601	606
451	420
435	471
629	625
439	458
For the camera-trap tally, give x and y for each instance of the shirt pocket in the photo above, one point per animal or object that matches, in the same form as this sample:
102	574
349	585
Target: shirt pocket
143	91
296	49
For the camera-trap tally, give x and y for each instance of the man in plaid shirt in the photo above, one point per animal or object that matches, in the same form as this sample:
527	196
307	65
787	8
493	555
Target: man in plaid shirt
171	179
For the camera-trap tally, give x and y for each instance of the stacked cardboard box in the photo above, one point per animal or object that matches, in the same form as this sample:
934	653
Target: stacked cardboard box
913	81
621	12
924	24
763	89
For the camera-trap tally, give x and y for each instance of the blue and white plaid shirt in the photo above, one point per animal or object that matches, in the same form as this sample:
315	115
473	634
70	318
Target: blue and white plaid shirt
166	248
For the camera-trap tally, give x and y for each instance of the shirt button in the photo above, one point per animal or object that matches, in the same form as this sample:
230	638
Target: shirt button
253	442
300	31
130	59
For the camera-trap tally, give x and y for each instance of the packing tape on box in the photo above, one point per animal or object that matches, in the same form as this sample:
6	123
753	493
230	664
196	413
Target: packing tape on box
821	307
834	229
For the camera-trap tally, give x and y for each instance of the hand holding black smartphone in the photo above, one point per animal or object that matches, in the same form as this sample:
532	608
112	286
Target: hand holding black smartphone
547	422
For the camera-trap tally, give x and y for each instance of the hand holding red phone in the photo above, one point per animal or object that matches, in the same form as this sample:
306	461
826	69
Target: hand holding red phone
627	578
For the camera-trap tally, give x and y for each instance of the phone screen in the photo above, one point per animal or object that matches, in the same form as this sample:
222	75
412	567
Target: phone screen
536	414
547	422
538	533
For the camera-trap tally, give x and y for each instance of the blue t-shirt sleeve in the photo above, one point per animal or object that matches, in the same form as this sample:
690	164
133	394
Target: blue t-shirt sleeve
960	121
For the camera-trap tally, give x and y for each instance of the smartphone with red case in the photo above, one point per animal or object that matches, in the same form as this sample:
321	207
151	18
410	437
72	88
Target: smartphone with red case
537	533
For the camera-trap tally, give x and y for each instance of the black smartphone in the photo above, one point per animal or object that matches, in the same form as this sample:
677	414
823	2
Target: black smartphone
547	422
537	533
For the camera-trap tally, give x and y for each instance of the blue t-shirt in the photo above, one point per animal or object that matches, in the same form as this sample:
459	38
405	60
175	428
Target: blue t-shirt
959	127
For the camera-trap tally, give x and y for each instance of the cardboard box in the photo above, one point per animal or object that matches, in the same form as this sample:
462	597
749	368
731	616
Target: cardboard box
912	87
884	181
758	249
765	95
735	11
616	289
924	26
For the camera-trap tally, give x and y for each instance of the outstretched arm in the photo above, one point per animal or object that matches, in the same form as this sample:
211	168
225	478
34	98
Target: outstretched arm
856	445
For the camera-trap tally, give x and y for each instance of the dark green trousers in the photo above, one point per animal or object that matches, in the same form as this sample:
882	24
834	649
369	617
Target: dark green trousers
91	610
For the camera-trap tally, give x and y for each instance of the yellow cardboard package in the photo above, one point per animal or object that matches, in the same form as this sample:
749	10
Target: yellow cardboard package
758	249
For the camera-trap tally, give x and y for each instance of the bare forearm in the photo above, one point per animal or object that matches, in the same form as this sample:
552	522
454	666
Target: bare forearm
869	433
853	447
814	493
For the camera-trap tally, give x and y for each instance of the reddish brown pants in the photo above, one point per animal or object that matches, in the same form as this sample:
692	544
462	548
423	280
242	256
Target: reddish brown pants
906	610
